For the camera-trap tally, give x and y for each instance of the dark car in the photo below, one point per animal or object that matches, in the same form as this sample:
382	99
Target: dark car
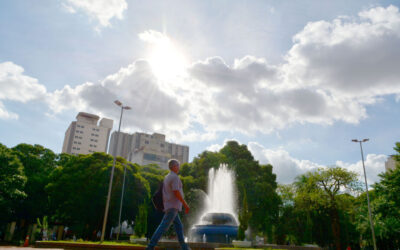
215	227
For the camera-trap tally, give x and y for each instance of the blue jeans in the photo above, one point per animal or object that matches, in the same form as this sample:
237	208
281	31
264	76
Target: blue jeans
170	216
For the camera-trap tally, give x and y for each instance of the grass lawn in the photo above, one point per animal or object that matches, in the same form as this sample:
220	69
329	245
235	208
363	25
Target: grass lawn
96	242
231	248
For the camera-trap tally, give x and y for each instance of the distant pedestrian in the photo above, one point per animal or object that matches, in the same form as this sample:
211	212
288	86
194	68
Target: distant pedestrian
173	199
98	235
111	232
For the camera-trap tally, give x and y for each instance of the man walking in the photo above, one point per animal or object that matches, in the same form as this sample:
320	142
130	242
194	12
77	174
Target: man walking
173	201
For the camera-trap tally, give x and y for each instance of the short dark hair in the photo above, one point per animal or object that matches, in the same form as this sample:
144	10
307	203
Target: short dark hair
173	162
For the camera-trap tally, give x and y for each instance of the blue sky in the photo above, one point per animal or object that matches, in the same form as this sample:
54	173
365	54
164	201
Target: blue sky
293	80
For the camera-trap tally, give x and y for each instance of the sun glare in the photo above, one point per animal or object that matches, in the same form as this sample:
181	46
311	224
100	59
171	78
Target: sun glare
166	61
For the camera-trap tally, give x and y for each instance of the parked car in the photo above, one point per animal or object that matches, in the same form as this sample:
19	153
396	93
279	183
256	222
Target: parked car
215	227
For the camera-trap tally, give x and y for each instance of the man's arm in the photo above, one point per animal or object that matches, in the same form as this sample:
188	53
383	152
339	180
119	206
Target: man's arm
180	198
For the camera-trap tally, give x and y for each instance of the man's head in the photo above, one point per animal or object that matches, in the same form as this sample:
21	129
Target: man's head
173	165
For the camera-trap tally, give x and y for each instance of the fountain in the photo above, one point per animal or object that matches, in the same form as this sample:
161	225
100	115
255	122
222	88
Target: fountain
218	222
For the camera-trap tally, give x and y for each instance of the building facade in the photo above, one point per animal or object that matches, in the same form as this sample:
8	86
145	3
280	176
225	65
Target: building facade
390	163
144	149
86	135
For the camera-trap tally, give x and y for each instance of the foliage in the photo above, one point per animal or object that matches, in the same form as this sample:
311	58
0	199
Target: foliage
385	206
244	217
78	192
321	207
44	225
38	163
12	182
141	220
323	191
257	180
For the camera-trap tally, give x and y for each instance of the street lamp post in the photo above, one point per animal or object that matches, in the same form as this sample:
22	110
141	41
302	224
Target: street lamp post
366	187
120	206
112	170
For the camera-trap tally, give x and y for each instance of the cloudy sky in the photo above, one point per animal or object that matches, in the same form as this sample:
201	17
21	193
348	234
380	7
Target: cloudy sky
293	80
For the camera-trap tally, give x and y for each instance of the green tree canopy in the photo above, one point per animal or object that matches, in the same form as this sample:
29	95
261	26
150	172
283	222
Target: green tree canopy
78	192
12	182
38	163
323	190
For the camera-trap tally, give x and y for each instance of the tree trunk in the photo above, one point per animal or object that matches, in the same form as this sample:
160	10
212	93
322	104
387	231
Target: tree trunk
335	227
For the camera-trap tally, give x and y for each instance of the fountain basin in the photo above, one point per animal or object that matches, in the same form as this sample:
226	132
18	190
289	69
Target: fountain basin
215	228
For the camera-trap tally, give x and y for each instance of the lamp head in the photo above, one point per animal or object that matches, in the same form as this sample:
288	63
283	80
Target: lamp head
118	102
354	140
365	140
127	107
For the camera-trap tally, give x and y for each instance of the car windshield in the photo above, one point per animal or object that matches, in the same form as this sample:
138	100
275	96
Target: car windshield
218	219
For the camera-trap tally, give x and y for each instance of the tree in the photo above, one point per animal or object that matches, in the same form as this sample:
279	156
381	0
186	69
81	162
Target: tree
38	163
322	189
78	192
244	217
385	203
12	182
260	185
141	220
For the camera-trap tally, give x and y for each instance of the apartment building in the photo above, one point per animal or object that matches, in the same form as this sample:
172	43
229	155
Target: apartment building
390	163
86	135
143	149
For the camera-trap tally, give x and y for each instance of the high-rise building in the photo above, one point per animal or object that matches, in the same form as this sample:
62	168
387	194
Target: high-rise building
85	135
146	149
390	163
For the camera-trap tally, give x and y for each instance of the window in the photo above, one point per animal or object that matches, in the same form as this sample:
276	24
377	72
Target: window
154	157
73	147
81	132
79	143
97	130
162	145
78	126
74	142
146	142
78	148
82	126
76	136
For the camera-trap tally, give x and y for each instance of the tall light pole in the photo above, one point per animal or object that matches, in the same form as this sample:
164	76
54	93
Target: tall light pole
371	222
112	170
120	205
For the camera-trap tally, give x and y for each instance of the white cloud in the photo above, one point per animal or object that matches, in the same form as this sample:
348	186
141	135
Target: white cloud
354	58
332	72
135	85
253	96
374	165
6	115
214	147
101	10
287	168
153	36
218	147
15	86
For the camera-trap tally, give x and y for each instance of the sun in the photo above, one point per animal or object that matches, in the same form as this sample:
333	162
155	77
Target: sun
166	60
